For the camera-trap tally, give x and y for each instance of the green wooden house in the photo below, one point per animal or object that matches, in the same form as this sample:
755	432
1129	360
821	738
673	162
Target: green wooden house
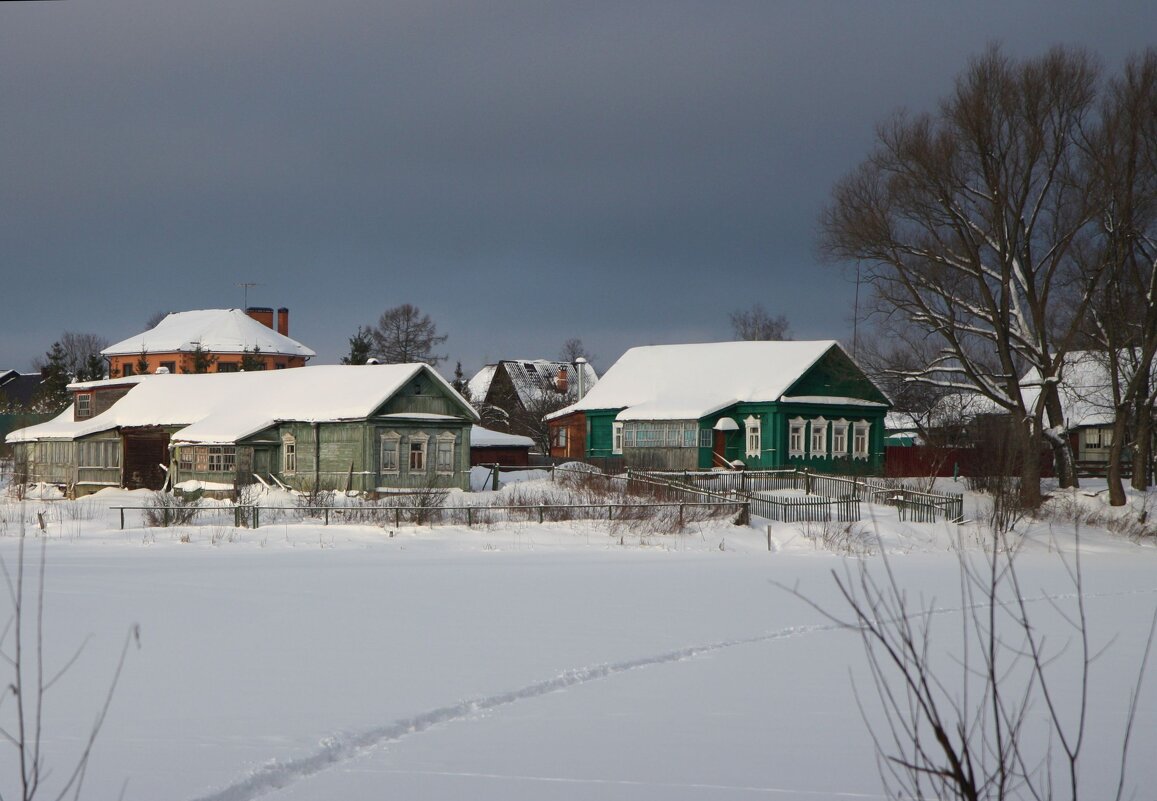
728	405
363	428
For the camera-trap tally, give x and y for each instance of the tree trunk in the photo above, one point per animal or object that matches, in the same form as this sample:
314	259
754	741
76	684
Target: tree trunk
1143	447
1113	474
1063	462
1028	450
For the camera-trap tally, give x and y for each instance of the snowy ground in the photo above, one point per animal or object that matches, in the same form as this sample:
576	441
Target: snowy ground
513	662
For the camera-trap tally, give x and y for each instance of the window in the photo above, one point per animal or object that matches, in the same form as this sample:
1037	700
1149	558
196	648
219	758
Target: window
222	458
227	367
99	453
840	438
860	439
288	454
390	453
185	457
1093	438
616	437
127	369
795	436
84	404
819	437
705	437
754	439
444	462
170	366
418	453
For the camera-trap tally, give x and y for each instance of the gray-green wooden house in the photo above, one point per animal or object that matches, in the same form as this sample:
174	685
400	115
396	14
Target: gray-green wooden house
363	428
755	405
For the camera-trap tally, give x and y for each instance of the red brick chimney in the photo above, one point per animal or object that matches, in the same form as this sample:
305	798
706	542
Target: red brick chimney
283	321
560	380
261	314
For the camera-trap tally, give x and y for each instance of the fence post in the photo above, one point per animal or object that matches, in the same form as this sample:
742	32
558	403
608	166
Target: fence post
397	517
122	518
494	477
469	517
541	507
256	517
807	482
327	515
165	516
769	539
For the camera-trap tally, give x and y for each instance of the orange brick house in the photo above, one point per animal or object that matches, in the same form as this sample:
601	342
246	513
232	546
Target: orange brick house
210	340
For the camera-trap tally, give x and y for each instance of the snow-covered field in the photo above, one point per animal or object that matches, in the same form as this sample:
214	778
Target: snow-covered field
520	661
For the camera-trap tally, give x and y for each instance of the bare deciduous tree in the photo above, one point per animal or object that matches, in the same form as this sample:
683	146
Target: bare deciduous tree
757	324
1122	323
968	224
986	719
572	350
29	682
405	335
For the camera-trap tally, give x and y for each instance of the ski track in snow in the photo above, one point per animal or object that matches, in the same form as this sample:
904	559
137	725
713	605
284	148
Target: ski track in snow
339	748
344	747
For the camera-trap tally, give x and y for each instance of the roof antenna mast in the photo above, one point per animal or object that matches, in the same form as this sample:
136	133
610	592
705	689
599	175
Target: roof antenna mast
245	294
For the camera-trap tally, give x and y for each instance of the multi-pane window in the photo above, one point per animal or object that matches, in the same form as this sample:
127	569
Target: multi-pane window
390	453
417	454
222	458
647	434
207	458
1093	438
445	456
705	436
84	404
288	454
795	436
754	437
99	453
840	438
860	439
819	437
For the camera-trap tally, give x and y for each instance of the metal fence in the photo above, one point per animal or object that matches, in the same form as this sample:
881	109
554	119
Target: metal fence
914	505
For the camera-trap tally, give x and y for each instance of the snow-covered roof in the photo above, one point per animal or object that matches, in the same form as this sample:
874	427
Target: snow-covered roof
534	379
487	438
226	407
1086	389
686	382
215	330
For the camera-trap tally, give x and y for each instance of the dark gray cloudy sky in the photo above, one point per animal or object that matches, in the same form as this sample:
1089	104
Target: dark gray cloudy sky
526	172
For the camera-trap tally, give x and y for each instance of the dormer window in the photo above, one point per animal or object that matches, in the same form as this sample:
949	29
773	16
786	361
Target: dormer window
84	404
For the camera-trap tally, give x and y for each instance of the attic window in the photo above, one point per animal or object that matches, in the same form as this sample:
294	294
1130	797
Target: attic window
530	368
84	404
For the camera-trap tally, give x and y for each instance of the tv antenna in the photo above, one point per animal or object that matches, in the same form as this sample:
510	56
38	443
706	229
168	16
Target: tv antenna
245	295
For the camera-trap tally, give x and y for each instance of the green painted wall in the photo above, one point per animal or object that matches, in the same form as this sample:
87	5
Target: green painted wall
599	437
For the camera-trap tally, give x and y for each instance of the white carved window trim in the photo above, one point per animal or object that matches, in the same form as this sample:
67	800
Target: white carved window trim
444	456
840	437
390	452
616	437
795	436
819	437
754	436
416	460
861	439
